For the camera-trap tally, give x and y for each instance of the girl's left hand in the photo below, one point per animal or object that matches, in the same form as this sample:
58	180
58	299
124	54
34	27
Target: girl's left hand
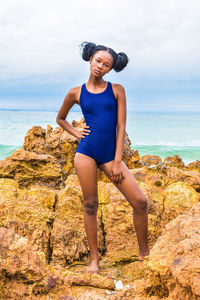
116	173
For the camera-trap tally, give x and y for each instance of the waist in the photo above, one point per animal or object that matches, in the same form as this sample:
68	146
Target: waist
99	128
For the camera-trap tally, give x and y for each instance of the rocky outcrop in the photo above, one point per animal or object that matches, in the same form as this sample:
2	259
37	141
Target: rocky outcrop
29	212
62	145
195	165
172	271
29	168
192	177
25	274
21	267
44	251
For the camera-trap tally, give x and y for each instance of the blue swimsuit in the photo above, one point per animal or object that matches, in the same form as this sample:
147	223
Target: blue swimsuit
100	113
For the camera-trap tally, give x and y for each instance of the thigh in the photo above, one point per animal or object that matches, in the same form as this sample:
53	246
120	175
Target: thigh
128	187
86	170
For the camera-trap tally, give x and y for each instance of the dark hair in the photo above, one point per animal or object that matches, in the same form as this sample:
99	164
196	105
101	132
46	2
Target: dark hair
120	60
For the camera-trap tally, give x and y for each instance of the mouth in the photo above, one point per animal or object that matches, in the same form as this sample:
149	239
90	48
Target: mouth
97	72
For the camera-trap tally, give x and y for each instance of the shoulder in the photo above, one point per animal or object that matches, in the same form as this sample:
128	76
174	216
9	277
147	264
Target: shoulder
118	89
74	93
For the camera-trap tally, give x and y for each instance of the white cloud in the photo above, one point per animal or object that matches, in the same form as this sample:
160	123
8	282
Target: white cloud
42	37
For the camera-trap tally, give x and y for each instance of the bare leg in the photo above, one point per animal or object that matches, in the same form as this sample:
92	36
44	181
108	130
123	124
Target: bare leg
86	170
131	191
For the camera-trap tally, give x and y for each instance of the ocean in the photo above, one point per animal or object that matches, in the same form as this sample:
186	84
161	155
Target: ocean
158	133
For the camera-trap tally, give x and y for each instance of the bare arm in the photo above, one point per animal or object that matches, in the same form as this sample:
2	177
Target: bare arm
116	172
69	101
121	122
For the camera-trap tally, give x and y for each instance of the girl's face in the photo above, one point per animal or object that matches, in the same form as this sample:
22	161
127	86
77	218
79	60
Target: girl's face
100	63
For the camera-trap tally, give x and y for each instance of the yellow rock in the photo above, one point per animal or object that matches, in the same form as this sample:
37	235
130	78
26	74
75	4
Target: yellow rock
8	189
180	194
174	258
30	168
190	177
42	217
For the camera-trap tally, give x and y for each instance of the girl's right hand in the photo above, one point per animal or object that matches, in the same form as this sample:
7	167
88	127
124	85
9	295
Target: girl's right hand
84	132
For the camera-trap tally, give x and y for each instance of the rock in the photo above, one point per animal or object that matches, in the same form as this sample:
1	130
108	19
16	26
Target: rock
35	140
190	177
24	273
17	257
20	266
62	146
91	296
195	165
174	261
174	161
129	156
94	280
42	222
30	213
180	195
8	191
31	168
148	160
150	175
58	143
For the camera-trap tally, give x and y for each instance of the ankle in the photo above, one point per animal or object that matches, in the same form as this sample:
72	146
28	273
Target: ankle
94	257
144	251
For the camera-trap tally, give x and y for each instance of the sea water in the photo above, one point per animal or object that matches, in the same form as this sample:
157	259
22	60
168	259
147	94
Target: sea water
158	133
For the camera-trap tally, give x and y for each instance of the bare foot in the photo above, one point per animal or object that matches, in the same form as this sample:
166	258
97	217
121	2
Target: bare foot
142	255
93	267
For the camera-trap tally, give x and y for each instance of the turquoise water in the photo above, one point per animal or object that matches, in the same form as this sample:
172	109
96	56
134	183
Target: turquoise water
163	134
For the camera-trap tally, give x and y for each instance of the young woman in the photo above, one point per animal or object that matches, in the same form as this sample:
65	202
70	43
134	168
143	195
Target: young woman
101	142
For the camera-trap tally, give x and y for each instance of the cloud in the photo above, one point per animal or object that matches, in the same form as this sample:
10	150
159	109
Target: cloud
43	36
40	40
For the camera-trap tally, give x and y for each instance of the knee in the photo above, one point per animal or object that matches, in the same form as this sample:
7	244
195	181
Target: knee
90	206
141	204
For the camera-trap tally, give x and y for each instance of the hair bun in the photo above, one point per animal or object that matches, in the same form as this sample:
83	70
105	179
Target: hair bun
121	62
87	50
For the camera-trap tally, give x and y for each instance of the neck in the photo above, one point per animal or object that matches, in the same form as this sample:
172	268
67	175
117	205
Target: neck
96	81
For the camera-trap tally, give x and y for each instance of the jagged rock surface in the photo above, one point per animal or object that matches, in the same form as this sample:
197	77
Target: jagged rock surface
44	251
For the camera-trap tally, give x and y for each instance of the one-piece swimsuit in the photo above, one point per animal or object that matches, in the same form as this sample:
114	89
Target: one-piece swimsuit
100	114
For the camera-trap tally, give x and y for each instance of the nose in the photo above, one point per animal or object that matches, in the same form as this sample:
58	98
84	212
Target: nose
100	65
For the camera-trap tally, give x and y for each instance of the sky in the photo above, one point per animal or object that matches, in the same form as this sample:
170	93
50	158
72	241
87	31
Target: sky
40	56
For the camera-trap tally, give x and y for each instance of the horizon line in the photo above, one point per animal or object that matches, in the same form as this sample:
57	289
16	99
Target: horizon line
136	111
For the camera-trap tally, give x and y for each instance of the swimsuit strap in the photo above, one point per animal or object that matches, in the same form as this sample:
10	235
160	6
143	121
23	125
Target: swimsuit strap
85	88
